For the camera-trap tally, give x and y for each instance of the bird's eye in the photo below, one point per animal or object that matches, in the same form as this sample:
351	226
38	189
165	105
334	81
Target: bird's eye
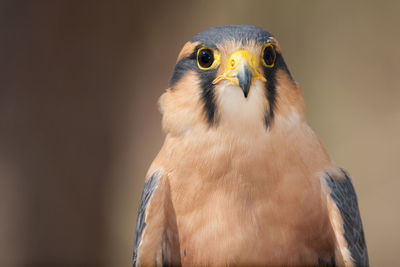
207	58
268	55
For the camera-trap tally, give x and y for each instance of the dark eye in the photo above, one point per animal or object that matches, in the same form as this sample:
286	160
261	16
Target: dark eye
205	58
269	55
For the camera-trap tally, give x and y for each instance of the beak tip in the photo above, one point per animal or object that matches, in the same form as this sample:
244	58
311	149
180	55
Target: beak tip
245	78
246	92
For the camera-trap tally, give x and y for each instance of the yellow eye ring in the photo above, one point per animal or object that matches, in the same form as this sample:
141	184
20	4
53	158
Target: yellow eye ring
268	55
208	58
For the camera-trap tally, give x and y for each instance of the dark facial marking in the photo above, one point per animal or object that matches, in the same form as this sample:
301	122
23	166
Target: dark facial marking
206	78
270	75
208	96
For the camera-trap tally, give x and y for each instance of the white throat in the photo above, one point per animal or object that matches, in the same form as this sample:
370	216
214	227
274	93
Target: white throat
238	113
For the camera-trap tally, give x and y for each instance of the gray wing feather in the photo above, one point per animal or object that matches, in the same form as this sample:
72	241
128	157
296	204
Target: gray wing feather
148	191
345	198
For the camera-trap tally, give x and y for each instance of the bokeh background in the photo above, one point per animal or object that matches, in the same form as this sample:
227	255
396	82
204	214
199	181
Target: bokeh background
79	123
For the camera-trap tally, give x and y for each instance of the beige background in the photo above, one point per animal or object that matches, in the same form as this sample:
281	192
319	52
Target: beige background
79	126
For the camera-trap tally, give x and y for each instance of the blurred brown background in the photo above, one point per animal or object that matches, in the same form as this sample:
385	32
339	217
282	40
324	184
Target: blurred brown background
79	125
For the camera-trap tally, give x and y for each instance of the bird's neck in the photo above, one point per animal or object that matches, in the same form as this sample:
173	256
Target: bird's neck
183	108
235	137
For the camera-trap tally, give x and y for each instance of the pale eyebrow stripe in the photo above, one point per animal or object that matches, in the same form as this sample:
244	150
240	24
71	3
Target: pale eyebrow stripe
187	50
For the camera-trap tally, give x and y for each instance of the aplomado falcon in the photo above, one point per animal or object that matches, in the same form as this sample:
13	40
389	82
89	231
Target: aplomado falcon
241	178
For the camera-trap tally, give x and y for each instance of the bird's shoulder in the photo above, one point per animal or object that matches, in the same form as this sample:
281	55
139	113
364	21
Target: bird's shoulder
345	216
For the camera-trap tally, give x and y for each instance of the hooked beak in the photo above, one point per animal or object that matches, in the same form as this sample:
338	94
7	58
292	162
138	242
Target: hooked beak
244	77
241	70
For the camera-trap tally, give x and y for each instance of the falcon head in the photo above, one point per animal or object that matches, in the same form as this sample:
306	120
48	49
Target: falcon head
232	77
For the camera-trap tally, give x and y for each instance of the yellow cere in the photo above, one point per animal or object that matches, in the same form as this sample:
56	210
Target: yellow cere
234	64
241	56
